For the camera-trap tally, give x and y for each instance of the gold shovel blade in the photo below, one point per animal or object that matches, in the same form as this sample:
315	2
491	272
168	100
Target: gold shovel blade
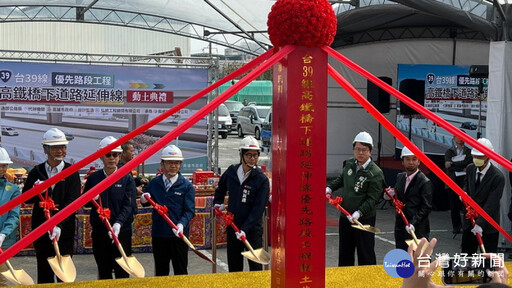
20	277
131	265
260	256
415	246
367	228
65	270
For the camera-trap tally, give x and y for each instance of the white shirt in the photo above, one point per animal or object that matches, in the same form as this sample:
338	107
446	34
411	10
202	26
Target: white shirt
241	175
482	172
409	178
53	171
364	165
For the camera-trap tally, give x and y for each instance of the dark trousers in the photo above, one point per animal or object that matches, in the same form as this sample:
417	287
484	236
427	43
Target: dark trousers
470	245
44	249
456	205
105	252
352	239
166	249
401	235
235	247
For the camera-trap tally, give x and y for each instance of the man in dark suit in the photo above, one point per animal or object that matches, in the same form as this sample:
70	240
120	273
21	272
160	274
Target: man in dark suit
456	159
413	189
484	183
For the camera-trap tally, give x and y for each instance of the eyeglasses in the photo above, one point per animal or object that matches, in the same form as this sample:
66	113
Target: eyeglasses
249	155
112	154
361	150
58	147
172	163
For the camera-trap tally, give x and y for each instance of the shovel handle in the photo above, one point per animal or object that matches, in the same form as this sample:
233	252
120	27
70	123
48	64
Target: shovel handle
166	217
233	225
8	263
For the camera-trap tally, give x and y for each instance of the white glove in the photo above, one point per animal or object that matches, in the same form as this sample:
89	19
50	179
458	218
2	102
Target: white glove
96	197
354	216
116	227
270	199
180	230
222	207
2	238
55	233
143	199
477	230
409	228
391	191
328	192
240	234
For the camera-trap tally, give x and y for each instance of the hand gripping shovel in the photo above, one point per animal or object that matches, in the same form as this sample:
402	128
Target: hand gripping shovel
129	263
336	203
471	214
62	265
17	277
259	255
162	210
399	206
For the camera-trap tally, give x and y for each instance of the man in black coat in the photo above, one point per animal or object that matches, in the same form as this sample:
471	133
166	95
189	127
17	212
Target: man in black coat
456	159
484	184
62	193
413	189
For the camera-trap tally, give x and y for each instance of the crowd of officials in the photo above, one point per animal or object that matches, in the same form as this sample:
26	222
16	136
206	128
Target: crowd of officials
361	183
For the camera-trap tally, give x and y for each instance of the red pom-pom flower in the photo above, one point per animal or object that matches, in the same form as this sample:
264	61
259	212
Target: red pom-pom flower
302	23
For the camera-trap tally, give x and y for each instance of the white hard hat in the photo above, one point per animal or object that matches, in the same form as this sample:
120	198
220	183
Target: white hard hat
109	140
363	137
4	157
54	137
172	152
406	152
486	143
249	143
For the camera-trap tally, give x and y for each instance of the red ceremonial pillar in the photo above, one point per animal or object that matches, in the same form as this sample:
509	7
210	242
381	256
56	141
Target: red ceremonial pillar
298	169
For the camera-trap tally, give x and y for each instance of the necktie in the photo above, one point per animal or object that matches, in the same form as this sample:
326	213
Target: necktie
477	183
168	183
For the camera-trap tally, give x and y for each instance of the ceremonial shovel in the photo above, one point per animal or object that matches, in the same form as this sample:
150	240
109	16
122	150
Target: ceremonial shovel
399	209
162	210
336	203
129	263
62	265
472	214
18	277
259	255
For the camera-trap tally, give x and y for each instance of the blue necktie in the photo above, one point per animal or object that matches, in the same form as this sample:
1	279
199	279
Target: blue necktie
168	184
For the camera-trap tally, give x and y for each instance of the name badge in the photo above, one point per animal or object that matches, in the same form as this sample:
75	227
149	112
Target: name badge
245	192
177	193
117	185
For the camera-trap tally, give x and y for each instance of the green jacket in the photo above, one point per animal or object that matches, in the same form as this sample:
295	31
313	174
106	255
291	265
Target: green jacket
361	190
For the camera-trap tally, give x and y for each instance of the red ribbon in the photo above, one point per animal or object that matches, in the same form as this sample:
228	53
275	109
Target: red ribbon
48	204
161	209
104	213
399	206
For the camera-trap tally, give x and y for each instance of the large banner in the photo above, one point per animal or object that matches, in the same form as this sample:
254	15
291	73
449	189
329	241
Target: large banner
451	94
89	102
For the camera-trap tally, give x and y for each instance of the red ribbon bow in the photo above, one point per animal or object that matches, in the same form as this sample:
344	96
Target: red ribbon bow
229	218
399	206
335	201
104	213
471	214
48	204
161	209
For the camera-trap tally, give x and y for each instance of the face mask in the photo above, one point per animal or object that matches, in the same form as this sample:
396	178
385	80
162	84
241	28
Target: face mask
478	162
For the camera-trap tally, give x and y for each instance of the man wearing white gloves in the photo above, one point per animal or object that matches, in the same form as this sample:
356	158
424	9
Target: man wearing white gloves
62	193
177	194
414	190
119	198
248	190
485	184
363	183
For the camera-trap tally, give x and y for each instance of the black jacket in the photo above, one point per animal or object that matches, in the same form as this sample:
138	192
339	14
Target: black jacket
487	195
118	198
64	192
417	200
457	166
247	200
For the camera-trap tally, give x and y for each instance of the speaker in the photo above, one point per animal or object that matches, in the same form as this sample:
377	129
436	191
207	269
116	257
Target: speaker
414	89
378	97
